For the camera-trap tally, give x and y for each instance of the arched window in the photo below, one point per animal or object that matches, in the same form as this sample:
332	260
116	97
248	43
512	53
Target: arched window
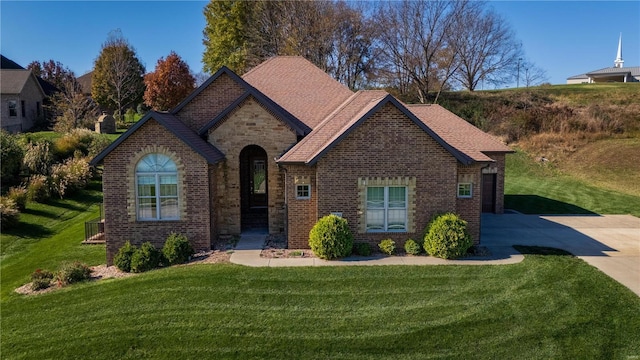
157	188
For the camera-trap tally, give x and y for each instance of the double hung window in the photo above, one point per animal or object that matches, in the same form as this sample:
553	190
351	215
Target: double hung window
386	208
157	188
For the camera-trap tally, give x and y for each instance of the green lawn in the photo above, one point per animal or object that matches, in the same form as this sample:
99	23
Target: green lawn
48	235
551	307
536	188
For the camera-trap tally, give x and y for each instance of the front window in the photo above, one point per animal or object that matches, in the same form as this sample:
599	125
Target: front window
303	191
386	208
13	108
157	188
465	190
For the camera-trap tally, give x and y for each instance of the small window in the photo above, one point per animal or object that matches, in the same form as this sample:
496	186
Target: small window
303	191
38	108
22	108
13	111
465	190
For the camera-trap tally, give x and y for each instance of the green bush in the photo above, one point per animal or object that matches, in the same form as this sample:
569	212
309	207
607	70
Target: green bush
74	272
331	238
19	195
446	237
145	258
177	249
9	213
39	189
412	247
11	154
41	279
99	143
362	248
387	246
122	260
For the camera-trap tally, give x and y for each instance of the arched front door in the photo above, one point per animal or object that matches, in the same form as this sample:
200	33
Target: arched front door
254	194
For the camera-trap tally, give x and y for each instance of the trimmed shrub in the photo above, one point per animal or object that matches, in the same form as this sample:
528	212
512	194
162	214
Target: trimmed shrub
177	249
19	195
41	279
446	237
412	247
39	189
331	238
145	258
122	260
387	246
362	248
71	273
9	214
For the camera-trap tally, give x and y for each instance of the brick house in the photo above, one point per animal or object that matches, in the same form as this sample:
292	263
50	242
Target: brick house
284	145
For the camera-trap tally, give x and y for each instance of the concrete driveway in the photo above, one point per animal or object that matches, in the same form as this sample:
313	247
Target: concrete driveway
609	242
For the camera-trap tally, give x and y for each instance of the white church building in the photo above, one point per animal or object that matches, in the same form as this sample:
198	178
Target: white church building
617	73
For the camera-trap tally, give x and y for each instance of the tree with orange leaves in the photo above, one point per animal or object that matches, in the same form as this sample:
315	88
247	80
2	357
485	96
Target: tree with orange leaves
169	84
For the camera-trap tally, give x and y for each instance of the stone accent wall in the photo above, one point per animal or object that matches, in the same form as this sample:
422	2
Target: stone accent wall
393	146
249	124
118	184
302	213
210	102
470	209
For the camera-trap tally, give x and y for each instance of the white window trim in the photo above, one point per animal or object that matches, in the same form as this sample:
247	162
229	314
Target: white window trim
308	191
386	211
470	191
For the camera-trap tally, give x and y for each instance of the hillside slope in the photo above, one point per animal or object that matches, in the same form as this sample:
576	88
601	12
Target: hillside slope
589	131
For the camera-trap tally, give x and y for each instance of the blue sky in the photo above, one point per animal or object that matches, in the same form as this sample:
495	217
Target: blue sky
564	38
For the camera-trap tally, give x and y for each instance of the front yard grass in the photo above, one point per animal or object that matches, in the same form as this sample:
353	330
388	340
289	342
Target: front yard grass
551	306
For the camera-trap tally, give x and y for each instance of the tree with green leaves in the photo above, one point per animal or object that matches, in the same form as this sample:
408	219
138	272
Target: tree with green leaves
168	84
225	35
117	80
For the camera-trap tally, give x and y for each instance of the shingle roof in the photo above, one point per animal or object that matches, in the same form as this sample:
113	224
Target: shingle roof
634	70
12	81
299	86
458	132
6	63
358	108
85	82
175	126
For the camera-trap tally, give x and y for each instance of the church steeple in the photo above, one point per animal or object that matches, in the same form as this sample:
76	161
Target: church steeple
618	61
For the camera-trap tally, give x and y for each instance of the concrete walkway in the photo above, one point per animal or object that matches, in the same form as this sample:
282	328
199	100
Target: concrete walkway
611	243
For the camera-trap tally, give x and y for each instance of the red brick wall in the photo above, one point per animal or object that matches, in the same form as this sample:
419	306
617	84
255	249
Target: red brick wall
388	144
302	213
119	192
210	102
470	209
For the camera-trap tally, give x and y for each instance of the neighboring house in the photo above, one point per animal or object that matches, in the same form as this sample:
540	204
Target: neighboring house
85	82
21	98
285	145
617	73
